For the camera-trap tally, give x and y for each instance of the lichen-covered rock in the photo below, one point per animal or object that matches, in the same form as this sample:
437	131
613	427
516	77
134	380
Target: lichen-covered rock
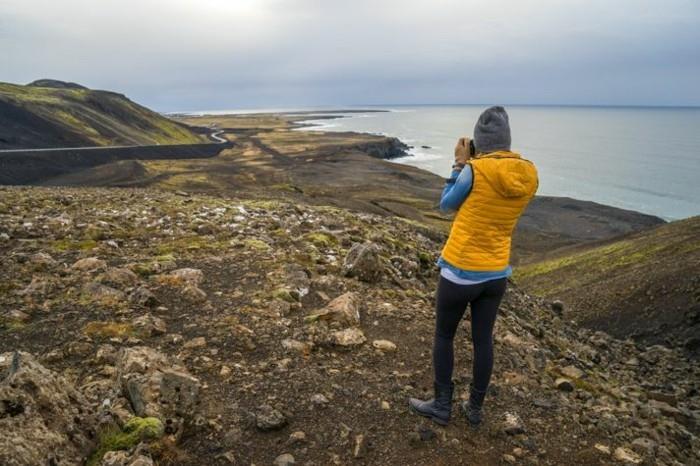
43	418
363	262
352	336
149	325
156	385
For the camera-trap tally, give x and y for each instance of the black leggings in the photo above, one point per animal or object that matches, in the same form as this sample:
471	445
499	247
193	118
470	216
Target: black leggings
452	300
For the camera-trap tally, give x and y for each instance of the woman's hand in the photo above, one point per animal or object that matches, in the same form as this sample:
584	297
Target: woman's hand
462	151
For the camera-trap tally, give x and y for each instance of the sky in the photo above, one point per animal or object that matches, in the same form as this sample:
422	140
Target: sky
186	55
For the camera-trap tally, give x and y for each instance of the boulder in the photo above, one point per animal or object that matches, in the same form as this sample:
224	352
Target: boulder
143	297
268	418
156	385
43	418
363	262
89	264
119	278
343	310
148	325
187	276
627	456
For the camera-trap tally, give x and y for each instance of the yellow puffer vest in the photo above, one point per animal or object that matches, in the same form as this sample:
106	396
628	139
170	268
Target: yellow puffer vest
502	186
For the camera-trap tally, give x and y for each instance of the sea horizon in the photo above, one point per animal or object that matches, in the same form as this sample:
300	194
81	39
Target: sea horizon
625	184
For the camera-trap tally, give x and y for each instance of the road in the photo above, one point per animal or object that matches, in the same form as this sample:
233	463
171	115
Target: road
214	135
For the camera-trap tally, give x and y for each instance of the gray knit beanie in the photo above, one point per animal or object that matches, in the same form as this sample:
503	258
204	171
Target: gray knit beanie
492	131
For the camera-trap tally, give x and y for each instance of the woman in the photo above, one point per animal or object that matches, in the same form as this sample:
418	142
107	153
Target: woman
489	191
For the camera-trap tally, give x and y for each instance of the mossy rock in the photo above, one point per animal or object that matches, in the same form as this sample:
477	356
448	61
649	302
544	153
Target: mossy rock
285	295
136	430
256	244
108	330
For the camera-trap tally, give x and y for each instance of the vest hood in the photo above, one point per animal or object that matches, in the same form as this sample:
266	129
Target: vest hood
512	177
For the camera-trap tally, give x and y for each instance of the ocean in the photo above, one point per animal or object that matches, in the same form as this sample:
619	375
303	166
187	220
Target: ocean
637	158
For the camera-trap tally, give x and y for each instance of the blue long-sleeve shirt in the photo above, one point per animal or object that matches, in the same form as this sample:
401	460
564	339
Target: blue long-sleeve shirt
453	195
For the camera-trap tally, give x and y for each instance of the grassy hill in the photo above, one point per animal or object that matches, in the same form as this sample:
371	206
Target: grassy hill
645	285
50	113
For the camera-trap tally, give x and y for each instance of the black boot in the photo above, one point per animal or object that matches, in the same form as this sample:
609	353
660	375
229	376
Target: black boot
438	409
472	408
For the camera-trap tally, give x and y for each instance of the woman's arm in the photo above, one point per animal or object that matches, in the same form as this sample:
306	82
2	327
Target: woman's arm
456	191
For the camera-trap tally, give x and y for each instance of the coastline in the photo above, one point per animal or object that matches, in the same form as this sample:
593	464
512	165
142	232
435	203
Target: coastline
273	155
569	155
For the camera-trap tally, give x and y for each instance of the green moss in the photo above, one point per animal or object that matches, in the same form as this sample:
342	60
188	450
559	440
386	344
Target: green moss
321	240
284	294
136	430
11	325
255	244
74	245
108	330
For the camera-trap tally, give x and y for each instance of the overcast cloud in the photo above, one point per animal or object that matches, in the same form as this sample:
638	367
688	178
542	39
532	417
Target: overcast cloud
218	54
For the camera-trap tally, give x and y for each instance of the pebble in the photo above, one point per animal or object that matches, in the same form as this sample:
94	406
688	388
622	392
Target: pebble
384	345
297	437
512	424
285	459
627	456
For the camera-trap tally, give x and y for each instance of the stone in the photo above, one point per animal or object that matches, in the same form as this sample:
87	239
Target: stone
572	372
359	449
510	459
187	276
363	262
296	438
512	424
319	399
352	336
143	297
344	310
89	264
385	405
558	307
564	384
97	292
194	293
43	418
156	385
295	345
148	325
384	345
197	342
602	448
285	459
119	278
268	418
42	261
644	446
627	456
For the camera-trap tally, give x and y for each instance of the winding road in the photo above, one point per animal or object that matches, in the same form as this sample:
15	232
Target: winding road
216	136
